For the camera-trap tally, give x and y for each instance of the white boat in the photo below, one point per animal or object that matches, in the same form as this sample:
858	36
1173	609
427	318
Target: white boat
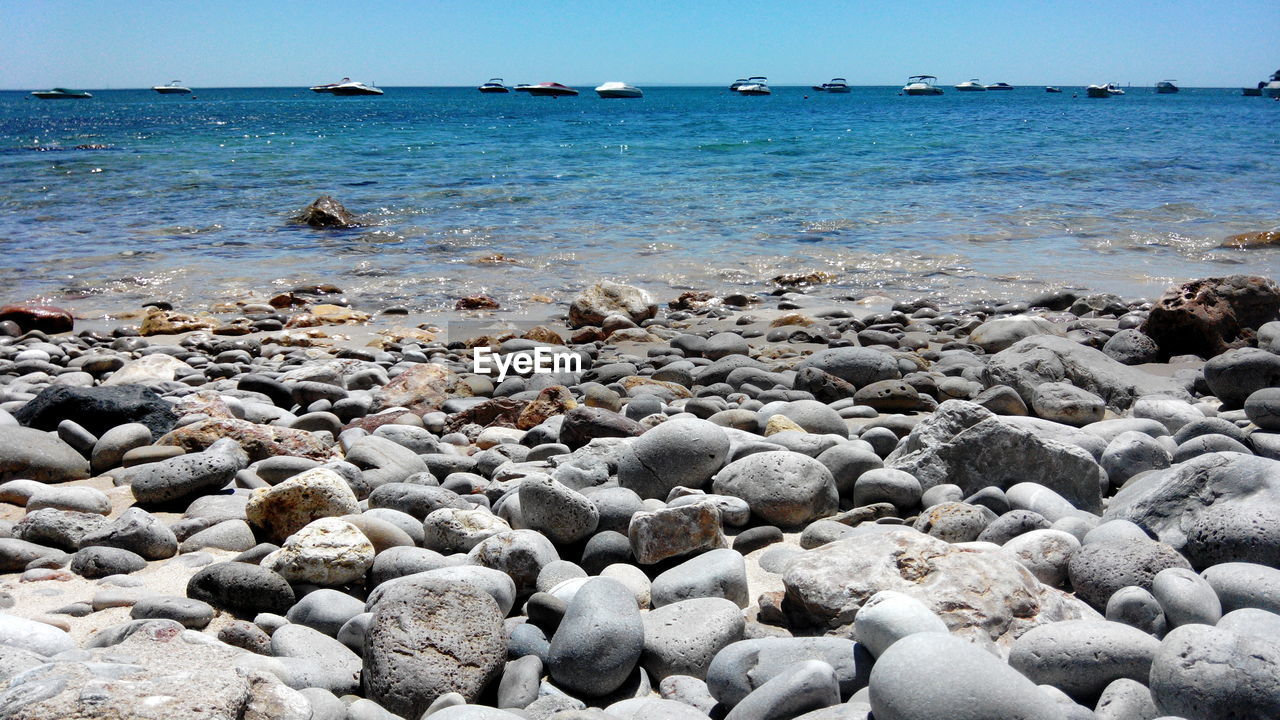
921	85
971	86
352	87
1102	91
173	88
737	84
548	89
618	90
1000	86
1272	88
494	86
837	85
1114	89
755	85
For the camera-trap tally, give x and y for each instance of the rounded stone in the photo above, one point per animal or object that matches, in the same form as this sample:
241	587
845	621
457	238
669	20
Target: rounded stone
327	551
1236	374
1262	407
955	521
521	554
241	588
718	573
561	514
888	616
456	530
847	462
1137	608
682	638
782	488
1083	657
325	610
1046	553
282	510
978	686
676	453
803	687
98	562
429	639
1012	524
1067	404
900	488
1200	672
1245	585
138	531
1099	569
599	641
1185	598
1130	453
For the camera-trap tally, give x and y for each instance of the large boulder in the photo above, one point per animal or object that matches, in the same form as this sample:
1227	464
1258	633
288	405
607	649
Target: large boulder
967	445
1215	508
98	409
34	455
1210	316
45	318
1083	657
781	487
999	334
1205	673
675	453
188	475
430	638
983	595
857	366
599	641
1041	359
607	298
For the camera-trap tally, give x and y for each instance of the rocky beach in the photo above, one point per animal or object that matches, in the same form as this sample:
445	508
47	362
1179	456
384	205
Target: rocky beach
780	503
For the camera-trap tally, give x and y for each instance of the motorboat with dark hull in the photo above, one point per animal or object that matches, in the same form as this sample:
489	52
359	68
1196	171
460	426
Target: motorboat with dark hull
1166	87
1052	89
1103	91
550	89
494	86
61	94
1000	86
837	85
352	87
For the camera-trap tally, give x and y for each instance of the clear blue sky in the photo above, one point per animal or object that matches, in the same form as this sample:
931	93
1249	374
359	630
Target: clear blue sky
232	43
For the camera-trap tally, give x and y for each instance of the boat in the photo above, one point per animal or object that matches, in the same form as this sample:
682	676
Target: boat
921	85
1272	88
1097	91
618	90
354	88
173	88
1166	87
755	85
971	86
837	85
737	84
494	86
1051	89
522	87
1253	91
328	87
1114	89
549	88
1000	86
61	94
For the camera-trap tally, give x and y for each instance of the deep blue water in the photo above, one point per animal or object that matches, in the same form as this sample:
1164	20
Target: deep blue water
964	194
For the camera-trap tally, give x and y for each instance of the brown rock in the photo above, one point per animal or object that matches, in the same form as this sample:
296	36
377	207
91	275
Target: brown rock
791	319
169	322
325	314
422	389
45	318
499	412
326	212
1209	316
286	300
1253	239
825	387
634	382
476	302
203	402
318	289
588	334
815	277
693	300
671	532
258	441
555	400
543	334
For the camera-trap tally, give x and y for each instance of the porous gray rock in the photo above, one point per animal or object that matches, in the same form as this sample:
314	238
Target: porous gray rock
561	514
980	594
1000	334
676	453
1083	657
967	445
1131	453
599	641
887	485
193	614
429	639
138	531
98	562
781	487
1046	553
807	685
904	684
454	530
1126	699
1245	585
1205	673
58	528
1099	569
241	588
1137	608
1262	407
1067	404
1132	347
520	554
1034	361
955	521
682	638
188	475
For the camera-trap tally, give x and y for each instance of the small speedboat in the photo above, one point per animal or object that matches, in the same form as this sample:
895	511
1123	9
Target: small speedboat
1102	91
1166	87
999	86
549	88
1051	89
618	90
737	84
755	85
61	94
837	85
971	86
328	87
494	86
352	87
173	88
921	85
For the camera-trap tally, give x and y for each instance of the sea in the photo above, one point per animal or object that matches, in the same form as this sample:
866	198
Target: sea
132	196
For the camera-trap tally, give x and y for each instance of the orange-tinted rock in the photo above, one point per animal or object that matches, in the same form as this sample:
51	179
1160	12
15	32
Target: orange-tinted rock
258	441
422	389
169	322
325	314
476	302
543	334
632	382
1209	316
286	300
1253	239
499	412
45	318
692	300
816	277
552	401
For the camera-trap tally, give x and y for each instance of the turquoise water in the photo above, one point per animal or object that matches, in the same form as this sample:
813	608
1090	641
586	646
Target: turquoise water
967	194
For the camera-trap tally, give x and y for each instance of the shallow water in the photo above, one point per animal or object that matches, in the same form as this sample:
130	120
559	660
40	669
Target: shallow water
965	195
